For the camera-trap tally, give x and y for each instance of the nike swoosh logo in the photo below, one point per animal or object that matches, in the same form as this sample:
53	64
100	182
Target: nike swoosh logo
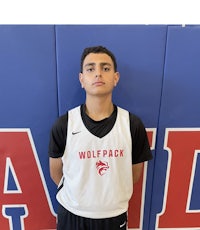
122	225
74	133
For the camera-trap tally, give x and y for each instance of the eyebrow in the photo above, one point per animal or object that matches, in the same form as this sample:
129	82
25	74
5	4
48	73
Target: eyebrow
93	64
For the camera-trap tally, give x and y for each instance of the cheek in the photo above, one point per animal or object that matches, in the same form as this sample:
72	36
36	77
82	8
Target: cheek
84	83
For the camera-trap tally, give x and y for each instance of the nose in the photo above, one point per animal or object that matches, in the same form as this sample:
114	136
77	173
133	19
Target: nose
98	75
98	72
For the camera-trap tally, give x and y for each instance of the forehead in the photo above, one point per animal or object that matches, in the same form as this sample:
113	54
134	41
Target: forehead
97	58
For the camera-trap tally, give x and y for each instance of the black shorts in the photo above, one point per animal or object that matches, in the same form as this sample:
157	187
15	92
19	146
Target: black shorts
69	221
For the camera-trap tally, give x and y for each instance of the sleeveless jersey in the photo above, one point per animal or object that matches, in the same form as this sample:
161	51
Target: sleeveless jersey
97	172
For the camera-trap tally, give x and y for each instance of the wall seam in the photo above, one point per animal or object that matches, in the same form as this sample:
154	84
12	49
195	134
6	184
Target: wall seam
158	124
56	67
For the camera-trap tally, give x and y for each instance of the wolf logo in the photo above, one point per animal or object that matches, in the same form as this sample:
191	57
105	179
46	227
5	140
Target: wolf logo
102	167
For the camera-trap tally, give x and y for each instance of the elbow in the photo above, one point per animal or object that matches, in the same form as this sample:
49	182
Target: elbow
56	175
56	178
55	167
136	179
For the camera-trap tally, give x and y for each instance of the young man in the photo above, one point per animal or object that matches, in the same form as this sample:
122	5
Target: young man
96	151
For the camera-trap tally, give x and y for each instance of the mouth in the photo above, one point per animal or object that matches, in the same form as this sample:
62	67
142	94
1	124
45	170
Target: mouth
98	83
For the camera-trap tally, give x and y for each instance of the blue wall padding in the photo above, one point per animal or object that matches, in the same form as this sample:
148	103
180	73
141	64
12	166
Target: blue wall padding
179	103
181	78
28	86
159	69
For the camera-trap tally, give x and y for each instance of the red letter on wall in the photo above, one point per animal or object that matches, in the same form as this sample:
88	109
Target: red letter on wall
182	145
25	204
136	206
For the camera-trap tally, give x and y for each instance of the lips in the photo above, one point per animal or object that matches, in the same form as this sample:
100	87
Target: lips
98	83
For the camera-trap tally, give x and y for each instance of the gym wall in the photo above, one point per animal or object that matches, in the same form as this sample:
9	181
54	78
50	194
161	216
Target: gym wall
159	82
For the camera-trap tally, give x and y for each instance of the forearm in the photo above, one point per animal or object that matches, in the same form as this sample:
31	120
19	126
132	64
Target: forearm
137	171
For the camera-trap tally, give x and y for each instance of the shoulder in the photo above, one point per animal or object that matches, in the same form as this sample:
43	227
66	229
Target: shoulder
136	124
134	119
61	121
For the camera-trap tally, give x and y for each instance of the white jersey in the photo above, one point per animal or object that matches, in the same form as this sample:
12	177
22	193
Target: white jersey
97	171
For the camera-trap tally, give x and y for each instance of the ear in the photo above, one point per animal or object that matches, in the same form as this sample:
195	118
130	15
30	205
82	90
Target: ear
81	79
116	78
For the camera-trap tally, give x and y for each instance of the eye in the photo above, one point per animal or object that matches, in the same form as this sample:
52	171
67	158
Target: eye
106	69
90	69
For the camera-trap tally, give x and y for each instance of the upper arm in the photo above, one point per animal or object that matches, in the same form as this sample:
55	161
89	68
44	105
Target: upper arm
55	167
140	145
57	143
58	136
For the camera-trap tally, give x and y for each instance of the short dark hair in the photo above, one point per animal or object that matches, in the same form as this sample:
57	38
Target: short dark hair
98	49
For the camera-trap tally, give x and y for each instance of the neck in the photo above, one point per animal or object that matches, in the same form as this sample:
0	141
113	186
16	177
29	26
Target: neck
99	109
